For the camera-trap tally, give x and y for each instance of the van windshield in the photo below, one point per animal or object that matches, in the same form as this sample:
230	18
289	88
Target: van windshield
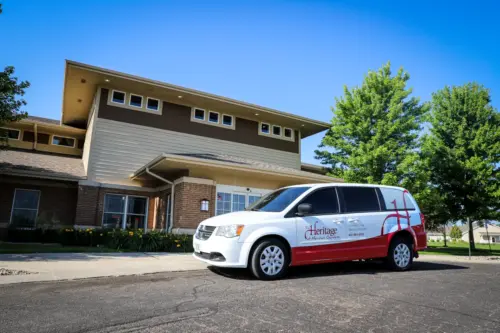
278	200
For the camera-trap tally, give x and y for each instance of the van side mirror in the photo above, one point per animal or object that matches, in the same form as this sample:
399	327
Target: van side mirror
304	209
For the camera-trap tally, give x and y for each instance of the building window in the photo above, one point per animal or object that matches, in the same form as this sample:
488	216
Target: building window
276	130
153	104
199	114
9	133
265	128
213	117
118	97
223	203
125	212
227	120
135	100
230	199
25	208
63	141
288	132
169	209
239	201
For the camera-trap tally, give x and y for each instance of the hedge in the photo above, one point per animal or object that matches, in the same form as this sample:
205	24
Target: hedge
133	240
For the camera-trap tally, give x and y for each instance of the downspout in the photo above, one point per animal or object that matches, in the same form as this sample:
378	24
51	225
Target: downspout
172	184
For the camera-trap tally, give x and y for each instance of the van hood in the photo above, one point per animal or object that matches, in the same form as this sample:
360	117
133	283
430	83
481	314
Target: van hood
243	217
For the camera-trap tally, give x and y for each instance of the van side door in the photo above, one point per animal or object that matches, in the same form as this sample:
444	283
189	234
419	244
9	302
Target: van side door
320	230
363	222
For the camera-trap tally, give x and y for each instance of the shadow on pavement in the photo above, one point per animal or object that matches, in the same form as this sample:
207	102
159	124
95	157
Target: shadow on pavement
89	256
346	268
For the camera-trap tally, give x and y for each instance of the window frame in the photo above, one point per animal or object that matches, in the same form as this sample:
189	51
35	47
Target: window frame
281	132
118	91
291	137
14	204
218	117
61	136
260	128
153	99
12	129
130	100
343	203
125	210
193	114
232	120
231	190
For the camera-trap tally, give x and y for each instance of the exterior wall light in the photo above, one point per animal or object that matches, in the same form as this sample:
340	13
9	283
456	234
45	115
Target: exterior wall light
204	205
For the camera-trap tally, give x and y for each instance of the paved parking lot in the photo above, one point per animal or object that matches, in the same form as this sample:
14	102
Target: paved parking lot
354	297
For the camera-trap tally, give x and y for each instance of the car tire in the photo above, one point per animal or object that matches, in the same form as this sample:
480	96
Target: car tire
400	255
270	259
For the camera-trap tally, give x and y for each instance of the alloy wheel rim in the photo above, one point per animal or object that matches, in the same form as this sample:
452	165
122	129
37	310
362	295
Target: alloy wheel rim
272	260
402	255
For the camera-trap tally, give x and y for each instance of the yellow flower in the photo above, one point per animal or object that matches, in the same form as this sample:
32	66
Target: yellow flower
130	233
90	232
178	245
177	241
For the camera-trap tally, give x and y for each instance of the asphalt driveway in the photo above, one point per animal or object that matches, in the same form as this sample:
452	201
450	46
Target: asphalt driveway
354	297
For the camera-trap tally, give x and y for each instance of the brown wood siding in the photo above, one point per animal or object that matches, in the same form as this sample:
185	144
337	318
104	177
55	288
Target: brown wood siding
178	118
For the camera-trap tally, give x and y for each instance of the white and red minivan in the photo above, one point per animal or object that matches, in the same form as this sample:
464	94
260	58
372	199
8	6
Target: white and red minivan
317	223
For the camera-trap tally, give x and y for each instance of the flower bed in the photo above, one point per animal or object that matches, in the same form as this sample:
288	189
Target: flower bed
132	240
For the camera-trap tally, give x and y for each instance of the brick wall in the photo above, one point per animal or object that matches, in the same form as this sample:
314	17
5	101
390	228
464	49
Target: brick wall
57	200
86	207
188	196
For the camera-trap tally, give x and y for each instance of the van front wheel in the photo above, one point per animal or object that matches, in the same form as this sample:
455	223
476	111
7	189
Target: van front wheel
400	256
270	259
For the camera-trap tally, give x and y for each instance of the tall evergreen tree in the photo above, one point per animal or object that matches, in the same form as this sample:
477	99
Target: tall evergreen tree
463	149
375	128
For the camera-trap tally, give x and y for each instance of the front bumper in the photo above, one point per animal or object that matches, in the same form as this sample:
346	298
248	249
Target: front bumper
221	251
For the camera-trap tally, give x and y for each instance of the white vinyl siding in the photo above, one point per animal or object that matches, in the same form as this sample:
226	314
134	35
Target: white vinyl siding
119	149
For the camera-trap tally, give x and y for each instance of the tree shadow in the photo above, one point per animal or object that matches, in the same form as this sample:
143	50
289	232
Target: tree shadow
333	269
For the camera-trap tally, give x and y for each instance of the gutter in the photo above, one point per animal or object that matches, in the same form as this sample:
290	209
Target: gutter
170	223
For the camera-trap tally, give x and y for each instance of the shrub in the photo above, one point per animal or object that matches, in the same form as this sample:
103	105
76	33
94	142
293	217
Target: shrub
132	240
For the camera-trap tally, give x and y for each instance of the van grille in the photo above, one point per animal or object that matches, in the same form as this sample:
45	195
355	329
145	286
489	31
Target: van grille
204	232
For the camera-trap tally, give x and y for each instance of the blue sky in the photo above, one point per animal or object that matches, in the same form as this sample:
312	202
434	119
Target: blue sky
294	56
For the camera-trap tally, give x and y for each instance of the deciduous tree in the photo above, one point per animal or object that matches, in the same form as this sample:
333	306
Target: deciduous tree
463	149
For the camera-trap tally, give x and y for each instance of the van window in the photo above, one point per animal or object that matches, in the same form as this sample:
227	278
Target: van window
278	200
360	199
393	199
323	201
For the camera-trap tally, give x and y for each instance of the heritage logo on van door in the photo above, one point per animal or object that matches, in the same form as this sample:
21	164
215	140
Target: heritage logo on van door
315	233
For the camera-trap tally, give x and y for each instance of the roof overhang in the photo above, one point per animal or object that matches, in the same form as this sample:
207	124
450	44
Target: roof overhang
169	164
81	82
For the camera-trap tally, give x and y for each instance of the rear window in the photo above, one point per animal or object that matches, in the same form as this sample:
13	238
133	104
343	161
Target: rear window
360	199
396	199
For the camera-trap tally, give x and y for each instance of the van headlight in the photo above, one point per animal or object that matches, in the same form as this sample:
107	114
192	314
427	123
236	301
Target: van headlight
230	231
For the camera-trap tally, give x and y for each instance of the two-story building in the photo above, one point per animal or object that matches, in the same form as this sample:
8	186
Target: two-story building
130	152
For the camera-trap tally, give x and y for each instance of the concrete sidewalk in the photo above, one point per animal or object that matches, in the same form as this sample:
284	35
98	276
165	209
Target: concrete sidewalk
68	266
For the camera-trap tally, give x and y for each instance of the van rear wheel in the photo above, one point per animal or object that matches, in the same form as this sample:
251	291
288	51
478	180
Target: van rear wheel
400	256
270	259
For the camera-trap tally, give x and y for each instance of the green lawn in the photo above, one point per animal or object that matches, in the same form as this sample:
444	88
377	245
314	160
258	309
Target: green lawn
48	248
461	249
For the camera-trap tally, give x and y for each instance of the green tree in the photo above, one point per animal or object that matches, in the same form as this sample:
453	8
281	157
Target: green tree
10	103
463	149
375	128
455	232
